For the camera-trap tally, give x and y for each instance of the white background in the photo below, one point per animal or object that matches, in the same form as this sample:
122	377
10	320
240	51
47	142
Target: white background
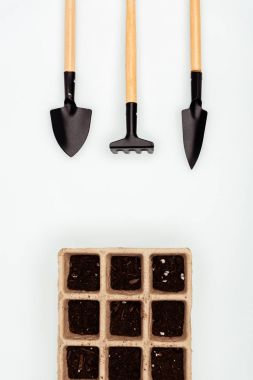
49	201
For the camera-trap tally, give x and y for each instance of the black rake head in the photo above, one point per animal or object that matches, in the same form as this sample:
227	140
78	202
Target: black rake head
132	143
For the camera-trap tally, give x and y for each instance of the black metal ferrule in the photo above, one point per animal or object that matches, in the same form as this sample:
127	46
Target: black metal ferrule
69	80
131	117
196	85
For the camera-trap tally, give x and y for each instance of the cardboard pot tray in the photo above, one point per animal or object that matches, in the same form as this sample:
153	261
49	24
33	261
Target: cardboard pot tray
125	314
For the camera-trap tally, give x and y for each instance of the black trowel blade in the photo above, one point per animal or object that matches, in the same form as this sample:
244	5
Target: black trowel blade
194	124
71	128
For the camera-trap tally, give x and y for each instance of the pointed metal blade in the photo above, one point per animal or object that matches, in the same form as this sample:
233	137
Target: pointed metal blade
194	124
71	128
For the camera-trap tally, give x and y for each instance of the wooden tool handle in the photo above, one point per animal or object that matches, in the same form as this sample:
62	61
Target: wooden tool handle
131	83
70	35
195	36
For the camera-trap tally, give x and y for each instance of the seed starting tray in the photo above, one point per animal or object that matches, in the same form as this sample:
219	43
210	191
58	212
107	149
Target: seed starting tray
125	314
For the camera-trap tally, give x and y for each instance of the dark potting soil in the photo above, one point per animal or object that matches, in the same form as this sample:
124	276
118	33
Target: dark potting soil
125	318
84	273
125	272
168	318
83	317
83	362
167	363
168	273
125	363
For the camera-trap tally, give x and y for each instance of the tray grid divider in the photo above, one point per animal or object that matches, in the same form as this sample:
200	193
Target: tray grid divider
146	306
103	316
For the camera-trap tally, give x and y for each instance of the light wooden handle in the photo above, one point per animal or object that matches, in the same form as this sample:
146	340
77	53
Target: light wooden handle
70	35
195	36
131	83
